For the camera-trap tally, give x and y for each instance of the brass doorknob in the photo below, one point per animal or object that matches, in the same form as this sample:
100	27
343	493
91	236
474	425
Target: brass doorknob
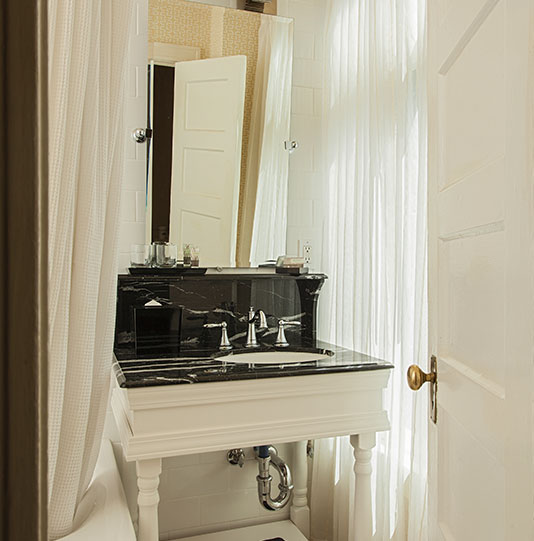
417	378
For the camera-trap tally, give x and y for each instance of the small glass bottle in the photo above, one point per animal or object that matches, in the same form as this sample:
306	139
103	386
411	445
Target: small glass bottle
195	256
187	255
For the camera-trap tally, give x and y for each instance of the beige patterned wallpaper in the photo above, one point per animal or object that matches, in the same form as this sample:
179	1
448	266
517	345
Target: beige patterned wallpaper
241	37
218	32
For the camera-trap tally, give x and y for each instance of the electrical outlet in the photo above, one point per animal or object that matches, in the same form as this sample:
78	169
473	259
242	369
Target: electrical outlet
307	251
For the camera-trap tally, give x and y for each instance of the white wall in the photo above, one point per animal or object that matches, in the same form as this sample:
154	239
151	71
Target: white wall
305	193
203	493
132	226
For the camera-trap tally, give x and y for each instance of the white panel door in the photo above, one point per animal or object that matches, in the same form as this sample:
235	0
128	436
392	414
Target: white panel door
209	98
480	269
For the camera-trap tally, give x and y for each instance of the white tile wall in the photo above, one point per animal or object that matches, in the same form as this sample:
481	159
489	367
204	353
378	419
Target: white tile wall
306	186
132	226
203	493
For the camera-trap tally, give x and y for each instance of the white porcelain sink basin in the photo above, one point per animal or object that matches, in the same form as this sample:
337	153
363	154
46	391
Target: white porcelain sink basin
274	357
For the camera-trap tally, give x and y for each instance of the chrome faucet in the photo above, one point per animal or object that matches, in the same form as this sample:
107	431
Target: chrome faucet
281	340
253	315
225	344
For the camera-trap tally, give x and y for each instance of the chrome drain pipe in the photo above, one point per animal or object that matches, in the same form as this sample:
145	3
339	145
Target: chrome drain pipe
267	455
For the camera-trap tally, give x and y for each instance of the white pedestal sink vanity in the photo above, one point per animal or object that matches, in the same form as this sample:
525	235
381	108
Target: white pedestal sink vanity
234	405
198	369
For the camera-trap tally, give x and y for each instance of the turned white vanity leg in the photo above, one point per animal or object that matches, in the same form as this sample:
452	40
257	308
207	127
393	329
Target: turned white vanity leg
299	511
148	498
362	516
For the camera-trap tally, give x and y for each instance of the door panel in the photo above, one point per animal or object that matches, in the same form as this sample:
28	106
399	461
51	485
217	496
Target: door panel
480	242
471	101
471	302
456	21
462	457
484	417
206	162
465	198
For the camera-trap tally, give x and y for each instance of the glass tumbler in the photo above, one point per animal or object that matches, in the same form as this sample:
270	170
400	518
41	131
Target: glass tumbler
140	255
164	254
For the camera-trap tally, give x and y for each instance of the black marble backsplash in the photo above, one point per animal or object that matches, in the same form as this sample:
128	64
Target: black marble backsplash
188	302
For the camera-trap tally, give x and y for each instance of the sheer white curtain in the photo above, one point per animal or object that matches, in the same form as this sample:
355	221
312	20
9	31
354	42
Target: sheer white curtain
270	128
87	54
375	237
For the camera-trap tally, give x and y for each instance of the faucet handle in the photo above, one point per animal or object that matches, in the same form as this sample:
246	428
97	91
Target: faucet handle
281	340
263	320
284	323
225	344
252	314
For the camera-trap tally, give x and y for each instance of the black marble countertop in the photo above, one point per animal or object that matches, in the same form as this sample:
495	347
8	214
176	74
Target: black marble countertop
204	368
225	274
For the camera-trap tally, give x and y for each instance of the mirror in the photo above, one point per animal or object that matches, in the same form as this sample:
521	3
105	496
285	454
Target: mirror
219	110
